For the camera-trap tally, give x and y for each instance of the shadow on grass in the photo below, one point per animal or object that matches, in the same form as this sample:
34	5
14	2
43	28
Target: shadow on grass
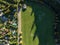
43	20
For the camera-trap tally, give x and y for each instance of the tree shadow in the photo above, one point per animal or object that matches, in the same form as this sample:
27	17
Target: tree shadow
43	20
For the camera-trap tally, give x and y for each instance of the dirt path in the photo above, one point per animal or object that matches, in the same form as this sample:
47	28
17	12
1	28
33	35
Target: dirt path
19	24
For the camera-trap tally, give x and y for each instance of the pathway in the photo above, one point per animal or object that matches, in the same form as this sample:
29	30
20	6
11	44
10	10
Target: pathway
19	24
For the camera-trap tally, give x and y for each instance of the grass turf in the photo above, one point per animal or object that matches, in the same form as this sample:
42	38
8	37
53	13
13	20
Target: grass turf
37	25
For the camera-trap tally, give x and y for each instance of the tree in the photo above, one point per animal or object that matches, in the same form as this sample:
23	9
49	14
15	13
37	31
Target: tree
5	5
8	6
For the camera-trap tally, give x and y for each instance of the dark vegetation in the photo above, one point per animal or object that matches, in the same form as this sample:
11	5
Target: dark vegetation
55	32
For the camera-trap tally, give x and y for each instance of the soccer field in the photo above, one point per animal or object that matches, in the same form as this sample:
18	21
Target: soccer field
37	25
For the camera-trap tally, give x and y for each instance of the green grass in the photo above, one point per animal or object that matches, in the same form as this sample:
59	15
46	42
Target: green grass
43	25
